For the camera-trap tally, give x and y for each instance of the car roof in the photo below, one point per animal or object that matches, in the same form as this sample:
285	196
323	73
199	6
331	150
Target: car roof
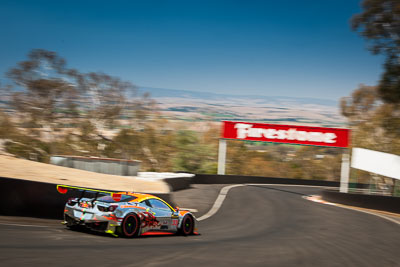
139	196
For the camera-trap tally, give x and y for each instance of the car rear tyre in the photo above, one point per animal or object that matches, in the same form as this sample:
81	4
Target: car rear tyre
71	223
130	225
187	226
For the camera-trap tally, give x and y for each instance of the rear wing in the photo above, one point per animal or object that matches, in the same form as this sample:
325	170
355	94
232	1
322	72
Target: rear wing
63	189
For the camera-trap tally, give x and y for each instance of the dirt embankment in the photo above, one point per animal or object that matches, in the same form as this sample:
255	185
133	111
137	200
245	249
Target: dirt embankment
12	167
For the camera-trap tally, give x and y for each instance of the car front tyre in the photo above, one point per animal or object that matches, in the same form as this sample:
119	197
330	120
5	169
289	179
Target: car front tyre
187	226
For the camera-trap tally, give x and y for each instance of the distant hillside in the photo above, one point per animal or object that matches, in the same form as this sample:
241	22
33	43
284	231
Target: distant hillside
173	93
201	106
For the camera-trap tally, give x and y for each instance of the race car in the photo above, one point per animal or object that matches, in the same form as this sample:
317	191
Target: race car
125	214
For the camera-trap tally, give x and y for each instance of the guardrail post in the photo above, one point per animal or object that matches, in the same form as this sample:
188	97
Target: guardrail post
344	175
221	156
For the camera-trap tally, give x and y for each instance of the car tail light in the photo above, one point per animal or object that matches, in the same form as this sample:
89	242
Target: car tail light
71	201
102	208
112	208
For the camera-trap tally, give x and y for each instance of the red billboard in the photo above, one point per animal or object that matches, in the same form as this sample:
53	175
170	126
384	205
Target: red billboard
290	134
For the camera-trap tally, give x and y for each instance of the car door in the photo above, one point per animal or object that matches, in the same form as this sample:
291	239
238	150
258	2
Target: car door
163	214
149	220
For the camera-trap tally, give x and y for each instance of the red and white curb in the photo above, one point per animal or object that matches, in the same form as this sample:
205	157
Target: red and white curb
318	199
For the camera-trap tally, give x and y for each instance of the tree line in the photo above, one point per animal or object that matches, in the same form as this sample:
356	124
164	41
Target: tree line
373	112
53	109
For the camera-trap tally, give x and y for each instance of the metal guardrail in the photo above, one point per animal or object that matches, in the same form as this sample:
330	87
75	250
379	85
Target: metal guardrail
100	165
367	191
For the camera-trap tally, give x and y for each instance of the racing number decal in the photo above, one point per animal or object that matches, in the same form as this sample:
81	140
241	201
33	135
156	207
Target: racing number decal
175	222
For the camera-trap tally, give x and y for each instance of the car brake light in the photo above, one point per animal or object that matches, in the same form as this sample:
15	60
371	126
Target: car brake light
112	208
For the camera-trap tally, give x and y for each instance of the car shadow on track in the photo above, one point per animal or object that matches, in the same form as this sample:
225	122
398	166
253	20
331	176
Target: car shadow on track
85	230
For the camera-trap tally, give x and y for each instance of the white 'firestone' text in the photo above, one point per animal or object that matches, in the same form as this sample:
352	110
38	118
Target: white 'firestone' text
246	130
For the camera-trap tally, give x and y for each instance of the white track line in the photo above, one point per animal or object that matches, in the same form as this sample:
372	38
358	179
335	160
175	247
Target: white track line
224	191
24	225
218	202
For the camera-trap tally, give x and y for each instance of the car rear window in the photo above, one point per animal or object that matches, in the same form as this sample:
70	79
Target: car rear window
109	199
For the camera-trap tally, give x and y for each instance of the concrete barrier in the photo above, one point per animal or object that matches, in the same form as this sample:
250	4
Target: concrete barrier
385	203
175	180
36	199
236	179
179	183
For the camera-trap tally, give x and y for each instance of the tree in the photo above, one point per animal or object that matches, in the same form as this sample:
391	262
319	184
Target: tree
379	23
46	86
7	128
70	110
192	154
45	92
375	125
106	97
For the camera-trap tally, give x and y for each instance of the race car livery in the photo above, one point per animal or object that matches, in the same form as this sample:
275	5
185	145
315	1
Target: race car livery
125	213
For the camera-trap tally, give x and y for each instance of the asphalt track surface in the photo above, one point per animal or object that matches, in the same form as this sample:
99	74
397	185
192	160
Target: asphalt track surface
256	225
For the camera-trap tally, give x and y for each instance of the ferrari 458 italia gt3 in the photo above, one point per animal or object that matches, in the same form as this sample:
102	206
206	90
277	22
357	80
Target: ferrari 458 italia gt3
125	213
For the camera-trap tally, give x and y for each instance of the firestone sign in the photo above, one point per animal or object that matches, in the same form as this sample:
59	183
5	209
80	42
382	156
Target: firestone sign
291	134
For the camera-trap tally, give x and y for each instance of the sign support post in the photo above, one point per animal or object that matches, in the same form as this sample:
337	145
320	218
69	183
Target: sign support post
344	174
221	156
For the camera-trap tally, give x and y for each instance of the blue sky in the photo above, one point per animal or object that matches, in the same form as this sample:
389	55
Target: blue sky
274	48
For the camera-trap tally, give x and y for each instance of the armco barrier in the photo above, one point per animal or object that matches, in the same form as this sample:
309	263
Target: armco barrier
385	203
236	179
36	199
